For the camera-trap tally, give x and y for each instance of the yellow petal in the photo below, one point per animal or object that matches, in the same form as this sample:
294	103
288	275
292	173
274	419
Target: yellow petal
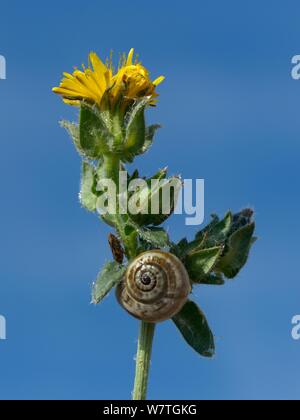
72	102
100	71
74	85
130	57
159	80
87	82
97	64
68	75
71	94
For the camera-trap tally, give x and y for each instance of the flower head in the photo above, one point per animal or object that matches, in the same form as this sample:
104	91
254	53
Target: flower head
133	81
98	81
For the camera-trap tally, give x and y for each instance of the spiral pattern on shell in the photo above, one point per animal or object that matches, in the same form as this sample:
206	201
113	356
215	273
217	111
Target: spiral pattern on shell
155	287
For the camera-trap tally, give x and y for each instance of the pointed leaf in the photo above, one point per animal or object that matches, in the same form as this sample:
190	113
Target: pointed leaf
73	131
200	263
237	251
149	136
241	219
137	108
212	280
218	233
194	328
179	249
108	278
168	190
162	196
157	237
202	240
208	228
136	128
215	234
95	139
87	196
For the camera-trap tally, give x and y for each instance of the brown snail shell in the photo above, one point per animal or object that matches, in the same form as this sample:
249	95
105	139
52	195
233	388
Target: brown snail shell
155	287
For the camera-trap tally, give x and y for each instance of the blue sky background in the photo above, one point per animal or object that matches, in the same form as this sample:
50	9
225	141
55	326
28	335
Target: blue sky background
230	112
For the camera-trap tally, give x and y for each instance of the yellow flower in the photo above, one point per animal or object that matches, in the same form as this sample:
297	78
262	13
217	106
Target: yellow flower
132	81
89	84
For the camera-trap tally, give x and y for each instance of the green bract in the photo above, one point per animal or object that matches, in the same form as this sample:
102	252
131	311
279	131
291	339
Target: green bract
102	132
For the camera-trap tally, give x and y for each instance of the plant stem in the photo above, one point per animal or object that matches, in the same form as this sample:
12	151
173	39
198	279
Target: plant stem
111	168
143	359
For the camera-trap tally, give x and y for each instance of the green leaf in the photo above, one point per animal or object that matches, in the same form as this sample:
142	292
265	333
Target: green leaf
213	279
95	139
241	219
136	109
218	234
159	189
200	263
233	236
194	328
108	278
237	251
135	129
168	188
215	234
157	237
87	196
211	236
180	248
204	232
73	131
149	136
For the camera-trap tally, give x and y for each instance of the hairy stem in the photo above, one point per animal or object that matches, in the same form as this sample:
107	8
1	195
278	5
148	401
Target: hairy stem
143	359
111	167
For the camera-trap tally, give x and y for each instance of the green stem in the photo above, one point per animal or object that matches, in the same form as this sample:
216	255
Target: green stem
143	359
111	167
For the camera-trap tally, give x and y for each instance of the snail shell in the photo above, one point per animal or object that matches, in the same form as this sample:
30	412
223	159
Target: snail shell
155	287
